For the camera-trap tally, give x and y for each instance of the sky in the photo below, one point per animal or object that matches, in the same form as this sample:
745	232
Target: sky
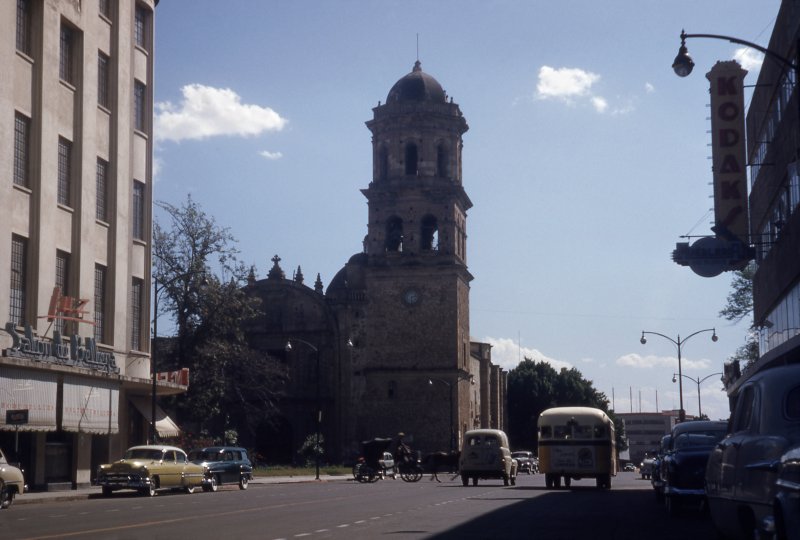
586	160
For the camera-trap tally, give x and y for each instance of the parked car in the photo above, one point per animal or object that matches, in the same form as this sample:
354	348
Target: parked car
683	466
485	454
786	509
148	468
12	482
628	467
223	465
525	461
655	476
761	447
646	466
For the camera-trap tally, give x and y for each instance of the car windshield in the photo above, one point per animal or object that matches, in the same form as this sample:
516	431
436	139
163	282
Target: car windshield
143	453
521	455
707	438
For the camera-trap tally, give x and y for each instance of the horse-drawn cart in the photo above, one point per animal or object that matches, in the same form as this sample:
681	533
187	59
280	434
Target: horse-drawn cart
378	462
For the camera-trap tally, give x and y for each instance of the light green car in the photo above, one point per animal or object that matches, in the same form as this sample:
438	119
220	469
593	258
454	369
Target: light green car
148	468
12	482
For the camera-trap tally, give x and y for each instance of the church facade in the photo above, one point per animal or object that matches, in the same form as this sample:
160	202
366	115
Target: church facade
386	348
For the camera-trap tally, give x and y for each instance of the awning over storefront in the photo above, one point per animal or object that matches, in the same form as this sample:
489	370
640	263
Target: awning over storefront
90	405
164	424
32	391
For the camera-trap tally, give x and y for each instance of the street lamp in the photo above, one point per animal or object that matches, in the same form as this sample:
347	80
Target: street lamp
159	286
461	377
697	380
679	343
683	64
319	408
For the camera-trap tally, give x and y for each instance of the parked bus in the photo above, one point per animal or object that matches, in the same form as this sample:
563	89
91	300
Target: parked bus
575	443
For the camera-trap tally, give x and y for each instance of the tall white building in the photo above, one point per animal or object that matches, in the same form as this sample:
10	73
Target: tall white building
76	101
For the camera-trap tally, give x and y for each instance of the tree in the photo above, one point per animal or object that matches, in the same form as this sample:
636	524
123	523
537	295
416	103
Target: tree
233	387
536	386
740	305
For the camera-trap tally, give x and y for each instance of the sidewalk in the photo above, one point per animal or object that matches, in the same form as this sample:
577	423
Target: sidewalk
30	497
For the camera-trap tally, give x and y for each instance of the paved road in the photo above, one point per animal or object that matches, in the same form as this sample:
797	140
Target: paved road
348	510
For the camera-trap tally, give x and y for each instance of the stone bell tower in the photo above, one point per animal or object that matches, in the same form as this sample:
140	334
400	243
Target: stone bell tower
412	360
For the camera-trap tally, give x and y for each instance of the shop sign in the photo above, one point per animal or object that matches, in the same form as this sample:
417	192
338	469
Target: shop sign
728	148
79	352
16	417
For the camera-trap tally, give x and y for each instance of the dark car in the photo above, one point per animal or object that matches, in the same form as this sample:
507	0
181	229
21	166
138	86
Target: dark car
655	477
524	461
683	466
744	498
224	465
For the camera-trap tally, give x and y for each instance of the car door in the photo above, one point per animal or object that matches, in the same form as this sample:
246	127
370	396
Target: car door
743	424
170	475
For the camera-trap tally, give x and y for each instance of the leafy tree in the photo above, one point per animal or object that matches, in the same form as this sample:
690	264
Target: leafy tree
740	305
233	387
536	386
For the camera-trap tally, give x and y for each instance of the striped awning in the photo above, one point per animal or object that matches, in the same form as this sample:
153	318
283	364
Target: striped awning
164	424
34	391
90	405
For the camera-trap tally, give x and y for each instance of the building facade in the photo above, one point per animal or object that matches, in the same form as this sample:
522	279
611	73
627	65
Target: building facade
386	348
644	431
76	191
773	149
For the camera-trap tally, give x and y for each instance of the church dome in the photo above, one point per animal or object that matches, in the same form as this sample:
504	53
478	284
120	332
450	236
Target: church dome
416	86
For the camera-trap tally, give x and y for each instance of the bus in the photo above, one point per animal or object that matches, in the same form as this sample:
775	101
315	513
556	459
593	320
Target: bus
576	443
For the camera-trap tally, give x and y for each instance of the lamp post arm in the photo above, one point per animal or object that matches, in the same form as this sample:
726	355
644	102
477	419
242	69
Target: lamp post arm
677	343
698	332
709	376
767	52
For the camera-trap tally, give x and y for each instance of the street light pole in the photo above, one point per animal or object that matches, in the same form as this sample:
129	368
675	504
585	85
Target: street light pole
319	407
698	381
679	344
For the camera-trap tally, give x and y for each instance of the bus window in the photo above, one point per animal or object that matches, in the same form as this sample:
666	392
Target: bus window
547	432
582	432
562	432
599	432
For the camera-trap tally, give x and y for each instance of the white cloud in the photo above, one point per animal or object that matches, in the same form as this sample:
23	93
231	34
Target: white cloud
649	88
270	155
208	112
749	59
638	361
600	104
507	354
564	83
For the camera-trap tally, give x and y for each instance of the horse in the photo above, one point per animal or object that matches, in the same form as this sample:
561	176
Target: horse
443	461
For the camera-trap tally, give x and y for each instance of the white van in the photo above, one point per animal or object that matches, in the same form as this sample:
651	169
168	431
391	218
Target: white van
485	454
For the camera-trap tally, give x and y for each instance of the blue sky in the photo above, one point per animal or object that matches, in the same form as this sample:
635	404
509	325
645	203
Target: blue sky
586	159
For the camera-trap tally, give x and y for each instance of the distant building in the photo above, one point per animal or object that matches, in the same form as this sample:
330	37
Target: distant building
76	143
644	431
403	302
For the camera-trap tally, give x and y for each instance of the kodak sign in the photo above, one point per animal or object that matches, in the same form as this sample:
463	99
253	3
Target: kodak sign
729	151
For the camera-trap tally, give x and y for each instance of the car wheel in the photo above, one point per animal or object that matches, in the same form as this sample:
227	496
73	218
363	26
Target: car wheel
567	481
464	480
513	480
6	497
548	481
506	481
189	489
243	482
107	491
150	489
474	480
556	482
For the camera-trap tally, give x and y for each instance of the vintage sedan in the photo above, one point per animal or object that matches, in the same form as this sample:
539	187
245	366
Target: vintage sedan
744	468
223	465
12	482
148	468
683	466
524	461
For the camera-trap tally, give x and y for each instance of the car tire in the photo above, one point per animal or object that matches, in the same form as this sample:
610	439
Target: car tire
107	491
6	497
513	480
243	482
557	482
464	480
150	489
506	480
567	481
474	480
548	481
189	489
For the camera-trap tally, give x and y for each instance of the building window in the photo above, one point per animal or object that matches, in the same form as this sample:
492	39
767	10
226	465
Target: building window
139	106
62	281
430	234
411	159
103	62
21	149
138	210
64	171
105	8
24	26
137	297
99	303
394	234
101	212
140	27
19	257
66	55
442	161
